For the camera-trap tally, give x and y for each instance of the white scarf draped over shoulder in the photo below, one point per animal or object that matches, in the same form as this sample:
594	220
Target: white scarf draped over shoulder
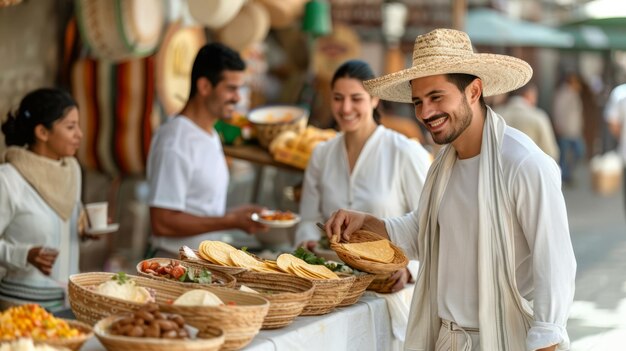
504	315
56	181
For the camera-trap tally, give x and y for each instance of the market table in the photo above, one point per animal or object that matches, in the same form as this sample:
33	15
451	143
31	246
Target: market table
256	154
363	326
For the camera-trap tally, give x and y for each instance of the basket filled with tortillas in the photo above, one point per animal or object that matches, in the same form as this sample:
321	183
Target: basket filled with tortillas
149	329
188	274
360	283
330	287
369	252
94	296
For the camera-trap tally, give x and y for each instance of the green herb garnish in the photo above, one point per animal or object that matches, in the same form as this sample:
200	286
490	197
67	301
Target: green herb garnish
121	278
205	277
192	276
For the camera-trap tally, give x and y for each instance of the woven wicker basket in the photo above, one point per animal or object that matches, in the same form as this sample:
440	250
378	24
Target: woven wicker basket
234	271
89	306
220	278
212	340
119	30
240	321
381	283
327	295
399	260
74	343
361	282
288	295
266	130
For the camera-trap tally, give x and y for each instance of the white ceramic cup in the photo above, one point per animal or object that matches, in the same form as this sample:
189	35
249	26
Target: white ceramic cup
97	213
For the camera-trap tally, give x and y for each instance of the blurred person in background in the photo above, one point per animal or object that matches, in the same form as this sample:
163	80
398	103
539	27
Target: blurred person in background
187	171
366	167
40	191
615	116
568	125
521	112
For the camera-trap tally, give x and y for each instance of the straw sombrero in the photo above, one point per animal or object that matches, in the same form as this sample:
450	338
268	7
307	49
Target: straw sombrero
283	13
250	26
174	61
444	51
213	13
119	30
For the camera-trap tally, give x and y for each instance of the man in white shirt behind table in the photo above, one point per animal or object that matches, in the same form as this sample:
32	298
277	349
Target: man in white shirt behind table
491	230
187	171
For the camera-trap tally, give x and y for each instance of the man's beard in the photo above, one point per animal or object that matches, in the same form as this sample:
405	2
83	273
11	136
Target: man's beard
463	119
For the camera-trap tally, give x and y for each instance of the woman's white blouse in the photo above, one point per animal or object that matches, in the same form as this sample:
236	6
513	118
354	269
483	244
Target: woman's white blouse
386	181
26	221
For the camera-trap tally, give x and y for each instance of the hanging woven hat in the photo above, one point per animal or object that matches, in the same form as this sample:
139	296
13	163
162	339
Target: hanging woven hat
214	14
250	26
334	49
174	61
121	29
445	51
283	12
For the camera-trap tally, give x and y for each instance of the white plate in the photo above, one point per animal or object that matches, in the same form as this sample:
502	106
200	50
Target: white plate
111	228
276	224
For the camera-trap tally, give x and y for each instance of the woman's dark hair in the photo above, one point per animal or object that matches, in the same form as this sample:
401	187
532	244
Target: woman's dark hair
42	106
211	61
356	69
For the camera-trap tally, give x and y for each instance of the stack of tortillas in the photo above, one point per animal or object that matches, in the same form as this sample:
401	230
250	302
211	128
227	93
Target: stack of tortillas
222	254
377	251
217	252
242	259
289	263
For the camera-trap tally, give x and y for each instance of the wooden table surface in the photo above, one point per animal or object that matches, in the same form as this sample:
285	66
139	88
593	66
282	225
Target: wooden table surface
256	154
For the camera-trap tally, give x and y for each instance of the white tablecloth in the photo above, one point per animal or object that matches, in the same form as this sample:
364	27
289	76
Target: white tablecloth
363	326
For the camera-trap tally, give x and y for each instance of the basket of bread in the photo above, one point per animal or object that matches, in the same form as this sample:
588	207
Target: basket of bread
269	121
295	149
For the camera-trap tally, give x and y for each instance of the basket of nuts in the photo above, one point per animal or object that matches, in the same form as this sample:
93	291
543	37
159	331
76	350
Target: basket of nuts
148	329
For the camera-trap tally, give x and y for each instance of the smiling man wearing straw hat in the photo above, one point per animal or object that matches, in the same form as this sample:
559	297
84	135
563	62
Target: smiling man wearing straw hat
491	231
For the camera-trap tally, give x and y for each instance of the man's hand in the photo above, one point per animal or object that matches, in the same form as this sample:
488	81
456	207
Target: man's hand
242	219
401	278
342	224
42	258
549	348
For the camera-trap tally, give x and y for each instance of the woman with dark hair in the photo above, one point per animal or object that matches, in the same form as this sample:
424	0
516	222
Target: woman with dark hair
367	167
40	184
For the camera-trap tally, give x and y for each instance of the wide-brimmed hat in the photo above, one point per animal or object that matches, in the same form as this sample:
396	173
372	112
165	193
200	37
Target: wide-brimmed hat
445	51
249	26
